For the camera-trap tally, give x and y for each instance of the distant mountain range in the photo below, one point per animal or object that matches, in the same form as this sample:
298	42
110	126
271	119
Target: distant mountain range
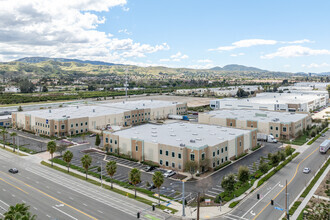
42	59
236	67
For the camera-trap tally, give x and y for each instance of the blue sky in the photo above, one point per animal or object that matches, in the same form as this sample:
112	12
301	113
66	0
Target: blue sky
275	35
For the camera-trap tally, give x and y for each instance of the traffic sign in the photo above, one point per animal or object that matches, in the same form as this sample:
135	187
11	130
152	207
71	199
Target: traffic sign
278	208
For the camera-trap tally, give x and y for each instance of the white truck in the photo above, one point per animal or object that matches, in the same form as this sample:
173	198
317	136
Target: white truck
324	146
266	137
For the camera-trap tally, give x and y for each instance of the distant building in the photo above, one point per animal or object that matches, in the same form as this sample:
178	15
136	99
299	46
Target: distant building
12	89
282	125
299	102
5	121
173	145
80	119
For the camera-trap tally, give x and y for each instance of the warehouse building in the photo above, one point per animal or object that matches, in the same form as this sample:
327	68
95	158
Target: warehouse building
5	121
282	125
292	102
80	119
172	145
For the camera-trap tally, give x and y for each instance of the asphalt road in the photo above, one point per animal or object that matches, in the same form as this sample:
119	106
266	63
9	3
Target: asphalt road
274	188
53	195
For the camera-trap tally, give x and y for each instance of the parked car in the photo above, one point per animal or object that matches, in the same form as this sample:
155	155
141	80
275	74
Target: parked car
13	170
92	135
323	135
152	186
306	170
149	168
169	173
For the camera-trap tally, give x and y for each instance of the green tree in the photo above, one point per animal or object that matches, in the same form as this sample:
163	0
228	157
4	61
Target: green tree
191	167
111	168
243	174
134	177
158	180
67	157
97	140
275	159
20	109
254	166
4	133
228	183
13	135
19	212
44	89
51	148
86	161
281	155
263	167
288	150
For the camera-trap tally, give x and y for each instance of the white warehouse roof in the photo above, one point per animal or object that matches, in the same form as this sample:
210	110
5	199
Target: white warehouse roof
195	136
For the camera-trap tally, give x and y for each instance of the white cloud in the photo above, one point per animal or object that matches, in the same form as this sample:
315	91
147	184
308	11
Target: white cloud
287	66
64	28
125	9
295	51
244	44
315	65
204	61
125	31
198	66
175	57
299	41
237	54
164	60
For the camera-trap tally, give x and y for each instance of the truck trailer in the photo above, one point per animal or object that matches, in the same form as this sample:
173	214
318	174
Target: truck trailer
324	146
178	117
266	138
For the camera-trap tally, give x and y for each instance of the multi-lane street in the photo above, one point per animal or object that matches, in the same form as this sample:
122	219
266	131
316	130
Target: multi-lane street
52	195
274	188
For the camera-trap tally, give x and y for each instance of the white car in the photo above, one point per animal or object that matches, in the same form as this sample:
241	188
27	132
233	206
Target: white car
169	173
306	170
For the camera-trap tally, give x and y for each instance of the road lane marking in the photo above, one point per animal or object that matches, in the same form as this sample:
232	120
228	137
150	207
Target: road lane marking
288	182
237	216
264	196
13	185
64	213
48	216
100	211
50	196
4	203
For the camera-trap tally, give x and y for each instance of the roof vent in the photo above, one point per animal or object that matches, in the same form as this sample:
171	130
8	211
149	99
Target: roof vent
50	111
198	139
154	132
178	139
154	128
77	106
194	134
173	135
93	109
154	135
231	133
64	116
68	116
192	141
182	145
144	104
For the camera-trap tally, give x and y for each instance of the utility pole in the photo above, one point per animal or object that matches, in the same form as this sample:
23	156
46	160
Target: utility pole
183	200
286	200
198	206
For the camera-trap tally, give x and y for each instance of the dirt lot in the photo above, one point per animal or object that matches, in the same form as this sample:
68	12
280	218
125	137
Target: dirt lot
322	114
321	191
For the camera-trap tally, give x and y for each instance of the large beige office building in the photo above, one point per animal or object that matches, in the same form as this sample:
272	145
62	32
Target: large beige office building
172	145
282	125
80	119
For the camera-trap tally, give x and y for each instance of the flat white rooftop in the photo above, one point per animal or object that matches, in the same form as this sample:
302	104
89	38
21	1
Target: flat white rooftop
101	109
181	134
257	115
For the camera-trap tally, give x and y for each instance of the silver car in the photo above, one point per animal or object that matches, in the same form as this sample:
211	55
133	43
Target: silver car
306	170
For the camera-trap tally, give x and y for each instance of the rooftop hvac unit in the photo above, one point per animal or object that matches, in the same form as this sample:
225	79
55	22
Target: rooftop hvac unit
144	104
154	128
77	106
64	116
154	135
173	135
192	141
182	145
198	139
231	133
154	132
93	110
194	134
68	116
50	111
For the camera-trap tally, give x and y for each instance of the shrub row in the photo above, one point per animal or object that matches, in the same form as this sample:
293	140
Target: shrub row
317	136
256	147
233	204
240	156
316	178
123	156
271	173
150	163
222	165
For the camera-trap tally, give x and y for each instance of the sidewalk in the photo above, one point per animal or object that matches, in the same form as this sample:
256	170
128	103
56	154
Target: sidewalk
310	194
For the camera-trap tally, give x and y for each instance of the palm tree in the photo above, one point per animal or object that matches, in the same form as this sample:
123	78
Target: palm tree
67	157
86	161
19	211
13	135
51	147
134	177
4	133
158	180
111	168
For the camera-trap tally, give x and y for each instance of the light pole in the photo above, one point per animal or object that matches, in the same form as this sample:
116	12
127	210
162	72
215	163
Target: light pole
183	200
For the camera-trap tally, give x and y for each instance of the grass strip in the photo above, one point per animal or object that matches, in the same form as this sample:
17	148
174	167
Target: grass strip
129	195
233	204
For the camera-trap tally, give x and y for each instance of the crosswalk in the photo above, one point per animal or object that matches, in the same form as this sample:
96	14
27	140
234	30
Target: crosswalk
214	191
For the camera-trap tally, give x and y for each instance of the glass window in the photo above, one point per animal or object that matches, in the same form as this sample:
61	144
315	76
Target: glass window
240	143
166	163
192	157
115	141
271	127
218	162
173	154
276	128
81	130
213	164
221	160
86	123
284	129
81	124
71	125
222	150
203	156
62	126
166	153
179	155
218	152
161	162
110	141
106	140
55	126
173	165
76	124
77	131
213	153
137	148
226	148
160	151
226	158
